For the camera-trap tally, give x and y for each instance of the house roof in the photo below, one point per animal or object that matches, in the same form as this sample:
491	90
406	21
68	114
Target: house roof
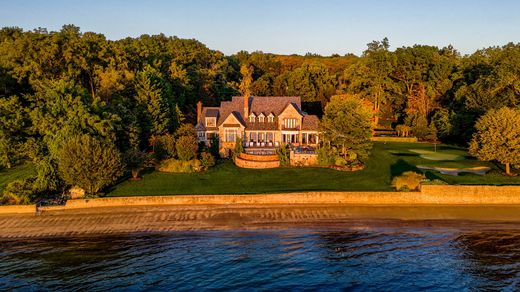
212	112
310	122
265	105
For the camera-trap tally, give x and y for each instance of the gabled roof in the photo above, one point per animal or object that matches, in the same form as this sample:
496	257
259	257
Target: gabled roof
270	106
296	107
210	112
310	122
237	116
257	104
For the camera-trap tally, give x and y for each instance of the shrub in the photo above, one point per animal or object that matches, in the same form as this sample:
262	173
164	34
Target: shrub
186	130
207	160
18	192
136	161
239	148
187	147
283	155
214	146
164	146
340	161
408	181
180	166
88	163
326	155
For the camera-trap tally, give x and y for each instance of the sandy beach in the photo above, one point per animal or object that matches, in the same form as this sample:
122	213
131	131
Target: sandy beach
131	219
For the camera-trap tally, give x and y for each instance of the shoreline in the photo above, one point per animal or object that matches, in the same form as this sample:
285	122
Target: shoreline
103	221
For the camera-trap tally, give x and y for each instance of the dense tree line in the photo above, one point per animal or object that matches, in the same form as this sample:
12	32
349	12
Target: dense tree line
60	86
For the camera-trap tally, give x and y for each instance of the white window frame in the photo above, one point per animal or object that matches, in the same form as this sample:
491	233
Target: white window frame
228	133
212	120
289	123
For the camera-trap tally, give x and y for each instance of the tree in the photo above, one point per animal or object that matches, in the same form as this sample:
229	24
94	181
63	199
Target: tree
89	163
491	78
312	82
497	137
136	161
370	76
157	113
247	79
13	122
187	147
346	125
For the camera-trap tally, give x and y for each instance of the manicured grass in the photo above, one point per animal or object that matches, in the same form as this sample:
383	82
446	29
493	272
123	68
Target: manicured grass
386	161
17	172
408	155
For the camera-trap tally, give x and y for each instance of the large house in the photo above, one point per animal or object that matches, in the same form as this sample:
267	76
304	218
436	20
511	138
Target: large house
262	122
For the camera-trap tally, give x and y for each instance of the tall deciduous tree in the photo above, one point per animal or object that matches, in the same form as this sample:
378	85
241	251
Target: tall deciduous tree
498	137
370	76
312	82
13	122
247	80
346	125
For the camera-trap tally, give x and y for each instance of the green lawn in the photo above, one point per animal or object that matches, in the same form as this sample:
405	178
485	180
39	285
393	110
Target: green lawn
18	172
386	160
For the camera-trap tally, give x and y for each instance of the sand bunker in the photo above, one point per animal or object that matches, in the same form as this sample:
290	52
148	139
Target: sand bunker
480	170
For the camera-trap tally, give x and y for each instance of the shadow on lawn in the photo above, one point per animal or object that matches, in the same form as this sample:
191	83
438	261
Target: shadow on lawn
401	166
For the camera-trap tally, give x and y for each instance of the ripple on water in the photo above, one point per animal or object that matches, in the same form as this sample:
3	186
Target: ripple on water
394	259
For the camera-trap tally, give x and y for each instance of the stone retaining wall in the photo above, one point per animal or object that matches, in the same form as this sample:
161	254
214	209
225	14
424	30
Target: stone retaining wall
244	163
395	139
429	195
246	156
17	209
300	159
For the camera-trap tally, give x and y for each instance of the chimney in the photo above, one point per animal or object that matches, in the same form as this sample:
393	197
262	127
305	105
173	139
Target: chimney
199	111
246	107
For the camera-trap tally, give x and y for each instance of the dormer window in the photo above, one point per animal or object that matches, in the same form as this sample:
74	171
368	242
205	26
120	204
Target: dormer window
252	118
211	122
261	118
270	118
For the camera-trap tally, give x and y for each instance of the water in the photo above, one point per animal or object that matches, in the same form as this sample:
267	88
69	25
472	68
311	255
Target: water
389	258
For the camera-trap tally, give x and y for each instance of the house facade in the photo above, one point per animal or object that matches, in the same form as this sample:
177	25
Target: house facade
263	123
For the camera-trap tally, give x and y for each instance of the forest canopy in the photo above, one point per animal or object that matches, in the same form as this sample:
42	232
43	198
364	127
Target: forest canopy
61	84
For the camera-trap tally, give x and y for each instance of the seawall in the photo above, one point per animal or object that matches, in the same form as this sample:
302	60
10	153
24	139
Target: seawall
429	195
18	209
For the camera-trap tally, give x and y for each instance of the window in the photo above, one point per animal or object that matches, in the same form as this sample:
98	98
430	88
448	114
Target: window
231	135
211	122
261	119
270	118
269	137
252	137
289	123
252	118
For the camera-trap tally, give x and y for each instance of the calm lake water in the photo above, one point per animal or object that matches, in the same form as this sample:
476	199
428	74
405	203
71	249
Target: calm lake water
389	258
